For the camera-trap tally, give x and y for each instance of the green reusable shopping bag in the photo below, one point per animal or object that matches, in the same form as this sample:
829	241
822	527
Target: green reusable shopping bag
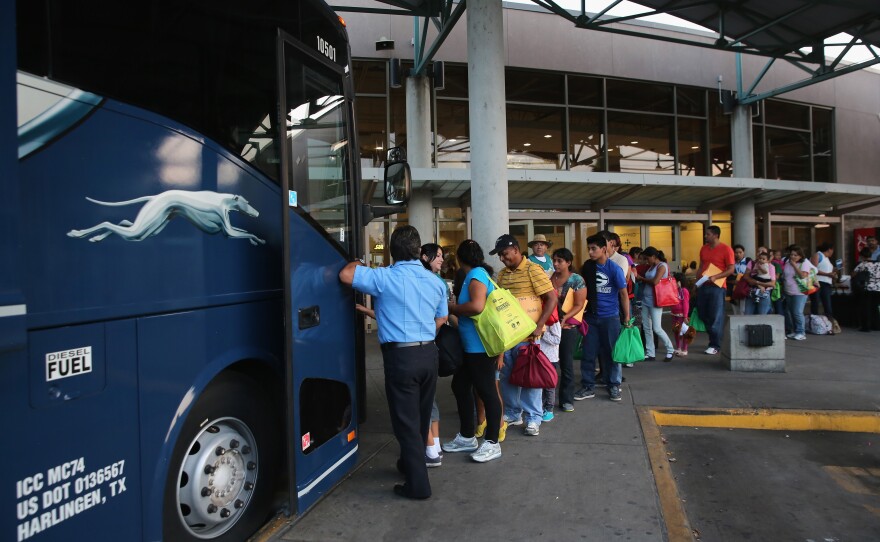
629	347
695	321
503	323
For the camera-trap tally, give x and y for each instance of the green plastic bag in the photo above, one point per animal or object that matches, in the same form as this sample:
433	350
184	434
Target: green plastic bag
579	349
503	323
629	347
695	321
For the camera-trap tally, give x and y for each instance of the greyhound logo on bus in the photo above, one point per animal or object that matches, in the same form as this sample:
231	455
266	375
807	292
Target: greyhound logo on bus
206	210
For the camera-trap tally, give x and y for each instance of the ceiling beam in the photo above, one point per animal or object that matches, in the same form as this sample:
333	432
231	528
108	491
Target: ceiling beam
840	211
723	201
778	204
616	196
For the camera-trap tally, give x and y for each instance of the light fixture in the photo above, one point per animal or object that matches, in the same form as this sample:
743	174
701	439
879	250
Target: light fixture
658	166
379	147
633	142
452	140
823	225
383	44
527	144
547	136
695	147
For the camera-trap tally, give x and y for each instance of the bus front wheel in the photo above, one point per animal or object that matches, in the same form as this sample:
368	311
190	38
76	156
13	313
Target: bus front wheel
224	464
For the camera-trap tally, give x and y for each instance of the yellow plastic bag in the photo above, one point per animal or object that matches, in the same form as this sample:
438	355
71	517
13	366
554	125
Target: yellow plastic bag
503	323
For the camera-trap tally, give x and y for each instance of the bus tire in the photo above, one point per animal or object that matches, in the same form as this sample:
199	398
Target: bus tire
225	462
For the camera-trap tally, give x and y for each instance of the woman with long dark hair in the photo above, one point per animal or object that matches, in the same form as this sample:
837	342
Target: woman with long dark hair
431	257
651	313
797	267
568	283
479	369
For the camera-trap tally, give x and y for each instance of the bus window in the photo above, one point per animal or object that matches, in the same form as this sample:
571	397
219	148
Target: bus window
317	137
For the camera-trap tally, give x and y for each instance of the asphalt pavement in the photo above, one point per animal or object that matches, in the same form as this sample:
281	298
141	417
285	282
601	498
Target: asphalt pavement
589	476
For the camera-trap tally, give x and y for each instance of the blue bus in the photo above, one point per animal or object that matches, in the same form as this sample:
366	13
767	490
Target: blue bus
178	359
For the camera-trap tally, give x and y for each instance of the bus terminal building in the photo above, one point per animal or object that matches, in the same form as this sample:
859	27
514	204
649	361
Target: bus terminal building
613	131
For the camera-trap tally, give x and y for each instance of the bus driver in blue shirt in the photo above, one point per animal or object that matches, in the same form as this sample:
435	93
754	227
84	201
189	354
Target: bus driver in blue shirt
410	307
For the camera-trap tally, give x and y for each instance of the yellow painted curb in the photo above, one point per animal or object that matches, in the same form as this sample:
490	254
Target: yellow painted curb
678	529
772	420
652	418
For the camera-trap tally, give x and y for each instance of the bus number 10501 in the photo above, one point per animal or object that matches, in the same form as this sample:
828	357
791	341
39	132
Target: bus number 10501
326	49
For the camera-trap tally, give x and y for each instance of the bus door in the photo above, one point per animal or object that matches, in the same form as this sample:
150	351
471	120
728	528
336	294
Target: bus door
319	239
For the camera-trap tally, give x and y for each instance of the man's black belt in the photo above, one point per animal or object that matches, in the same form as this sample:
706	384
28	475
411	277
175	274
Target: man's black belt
389	346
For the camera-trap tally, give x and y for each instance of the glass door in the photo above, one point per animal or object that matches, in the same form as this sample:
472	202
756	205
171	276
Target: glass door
318	242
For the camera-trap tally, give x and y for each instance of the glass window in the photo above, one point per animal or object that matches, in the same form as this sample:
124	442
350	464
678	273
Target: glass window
662	238
639	96
758	151
692	147
397	137
371	119
823	145
533	86
787	114
640	143
453	144
720	153
317	142
369	77
534	137
691	235
585	91
455	77
788	154
586	146
690	101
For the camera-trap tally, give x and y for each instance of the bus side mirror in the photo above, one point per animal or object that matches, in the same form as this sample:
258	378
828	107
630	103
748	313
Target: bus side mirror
398	185
398	179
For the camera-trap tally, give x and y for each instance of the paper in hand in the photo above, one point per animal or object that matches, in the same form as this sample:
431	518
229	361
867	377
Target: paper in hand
702	281
684	328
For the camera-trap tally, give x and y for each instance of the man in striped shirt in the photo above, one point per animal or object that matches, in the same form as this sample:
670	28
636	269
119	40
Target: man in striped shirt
528	282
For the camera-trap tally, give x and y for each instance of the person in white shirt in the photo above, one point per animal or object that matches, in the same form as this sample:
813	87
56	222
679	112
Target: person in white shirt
826	273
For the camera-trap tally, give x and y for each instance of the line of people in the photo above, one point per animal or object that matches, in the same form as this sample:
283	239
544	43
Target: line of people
588	308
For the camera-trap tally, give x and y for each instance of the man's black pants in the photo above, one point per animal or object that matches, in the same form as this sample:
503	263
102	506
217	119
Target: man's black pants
410	383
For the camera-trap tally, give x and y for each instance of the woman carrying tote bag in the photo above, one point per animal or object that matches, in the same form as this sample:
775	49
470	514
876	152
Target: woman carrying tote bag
651	313
478	370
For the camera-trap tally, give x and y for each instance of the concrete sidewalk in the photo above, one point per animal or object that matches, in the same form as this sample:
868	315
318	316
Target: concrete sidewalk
587	476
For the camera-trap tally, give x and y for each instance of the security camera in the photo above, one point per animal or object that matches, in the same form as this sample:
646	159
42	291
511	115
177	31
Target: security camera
384	43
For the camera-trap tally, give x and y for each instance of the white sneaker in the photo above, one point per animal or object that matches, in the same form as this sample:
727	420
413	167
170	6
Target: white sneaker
800	337
487	452
531	429
460	444
711	351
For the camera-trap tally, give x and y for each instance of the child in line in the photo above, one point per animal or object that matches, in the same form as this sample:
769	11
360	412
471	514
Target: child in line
680	316
550	347
761	274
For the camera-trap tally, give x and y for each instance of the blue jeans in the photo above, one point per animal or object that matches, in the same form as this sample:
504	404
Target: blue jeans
710	306
779	308
794	304
758	306
599	342
651	324
519	400
823	295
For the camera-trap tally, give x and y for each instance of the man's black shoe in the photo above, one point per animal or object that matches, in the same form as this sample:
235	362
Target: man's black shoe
401	490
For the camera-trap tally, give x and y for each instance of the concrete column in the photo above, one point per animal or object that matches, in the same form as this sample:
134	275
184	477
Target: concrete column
741	142
768	231
418	152
744	226
488	122
421	214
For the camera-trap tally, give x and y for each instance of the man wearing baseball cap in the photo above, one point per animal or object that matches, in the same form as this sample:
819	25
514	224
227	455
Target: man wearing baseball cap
539	246
532	288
